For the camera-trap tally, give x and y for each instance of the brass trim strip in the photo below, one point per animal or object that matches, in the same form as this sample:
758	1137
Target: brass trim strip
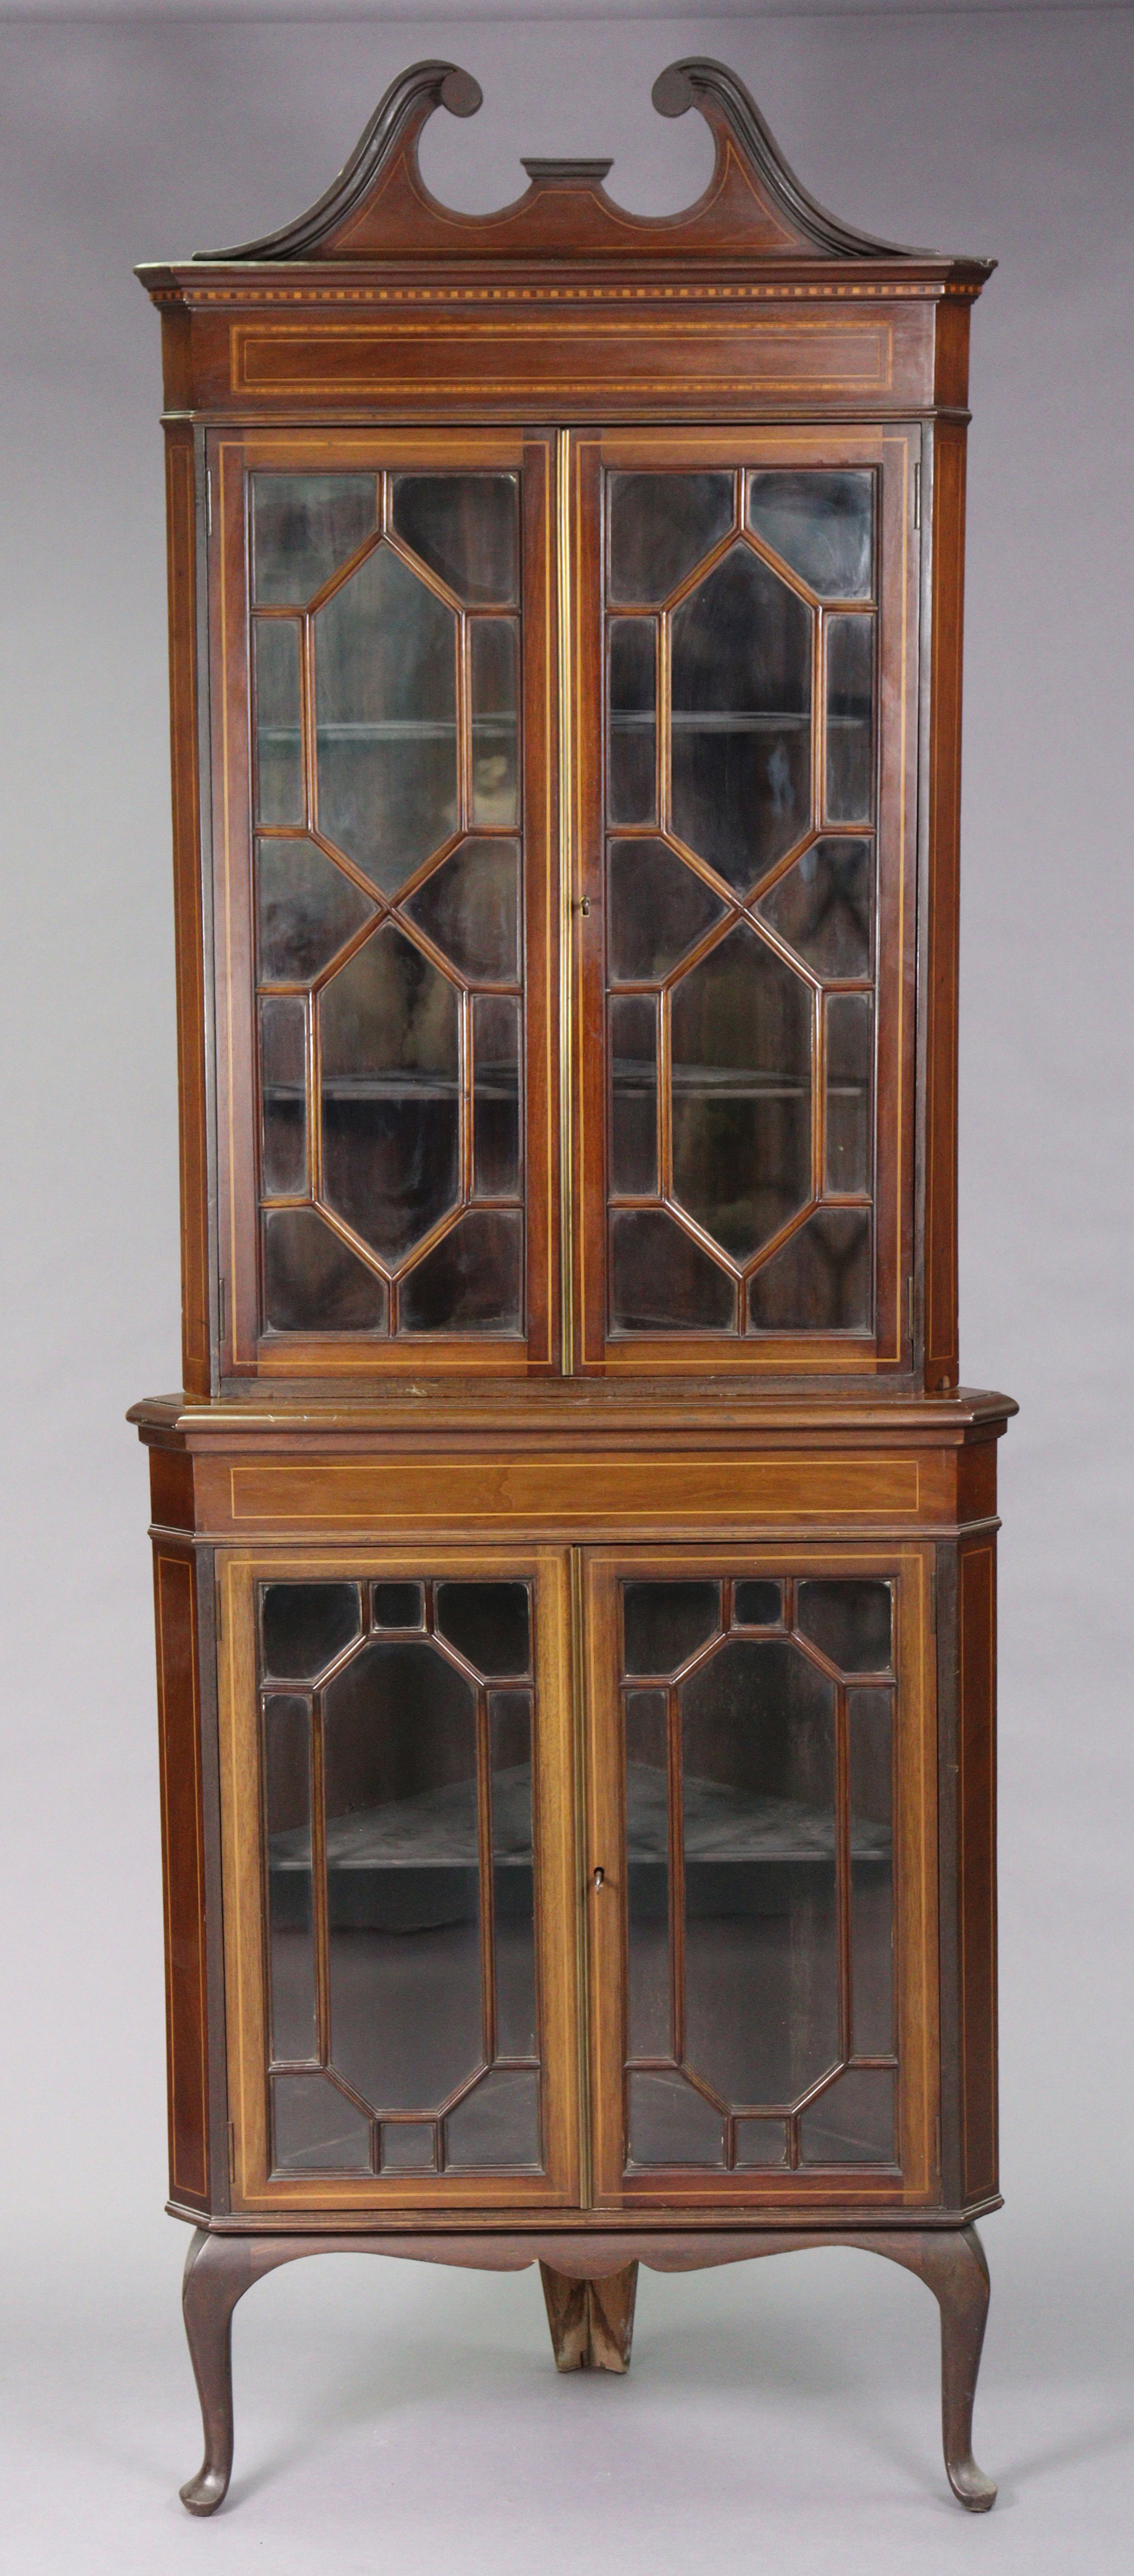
566	904
577	1648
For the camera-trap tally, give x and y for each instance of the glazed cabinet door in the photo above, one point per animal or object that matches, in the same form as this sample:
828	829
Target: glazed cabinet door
400	1885
744	629
761	1875
384	764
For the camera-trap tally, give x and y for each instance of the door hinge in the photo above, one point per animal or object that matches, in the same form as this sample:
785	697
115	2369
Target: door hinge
222	1308
910	1305
231	2152
933	1604
917	496
208	500
218	1611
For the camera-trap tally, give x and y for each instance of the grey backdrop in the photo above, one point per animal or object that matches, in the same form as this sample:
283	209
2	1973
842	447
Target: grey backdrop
386	2410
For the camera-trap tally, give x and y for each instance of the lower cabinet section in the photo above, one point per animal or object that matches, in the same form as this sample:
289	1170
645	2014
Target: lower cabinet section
579	1879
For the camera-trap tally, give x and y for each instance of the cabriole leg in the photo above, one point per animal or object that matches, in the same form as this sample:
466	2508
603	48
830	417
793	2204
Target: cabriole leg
218	2270
953	2266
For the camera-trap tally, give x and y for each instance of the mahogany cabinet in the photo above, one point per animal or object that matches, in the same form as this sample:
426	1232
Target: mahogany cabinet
574	1553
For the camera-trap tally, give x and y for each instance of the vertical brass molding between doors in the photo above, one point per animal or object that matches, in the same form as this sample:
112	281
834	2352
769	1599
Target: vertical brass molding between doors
564	595
582	1871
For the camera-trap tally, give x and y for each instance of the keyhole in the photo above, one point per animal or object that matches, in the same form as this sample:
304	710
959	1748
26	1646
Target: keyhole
585	907
600	1874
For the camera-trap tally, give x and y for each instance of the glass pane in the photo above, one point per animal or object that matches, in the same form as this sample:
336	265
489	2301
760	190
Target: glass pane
821	524
760	2142
306	910
820	1282
386	710
510	1738
758	1605
671	2123
494	647
472	1280
634	1094
823	907
489	1624
871	1723
303	527
407	2147
315	2129
661	1281
470	907
390	1093
853	2122
850	710
403	1879
665	1623
498	2124
850	1622
279	741
742	1037
496	1097
631	779
649	2002
849	1066
656	909
761	1928
660	526
287	1806
398	1605
305	1625
315	1284
466	527
741	687
283	1080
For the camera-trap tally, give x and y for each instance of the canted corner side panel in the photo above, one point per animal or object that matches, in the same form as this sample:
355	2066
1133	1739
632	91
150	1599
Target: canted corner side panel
183	1876
976	1865
188	928
941	1359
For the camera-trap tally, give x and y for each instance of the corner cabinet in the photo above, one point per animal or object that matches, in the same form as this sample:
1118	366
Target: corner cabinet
574	1553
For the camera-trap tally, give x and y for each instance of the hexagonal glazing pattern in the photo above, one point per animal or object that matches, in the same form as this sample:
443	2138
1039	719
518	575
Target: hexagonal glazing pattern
755	2037
741	659
386	801
741	1051
401	1974
386	719
389	1052
740	902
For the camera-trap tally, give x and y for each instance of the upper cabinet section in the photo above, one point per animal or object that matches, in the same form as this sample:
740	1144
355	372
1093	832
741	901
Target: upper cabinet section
528	307
565	618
